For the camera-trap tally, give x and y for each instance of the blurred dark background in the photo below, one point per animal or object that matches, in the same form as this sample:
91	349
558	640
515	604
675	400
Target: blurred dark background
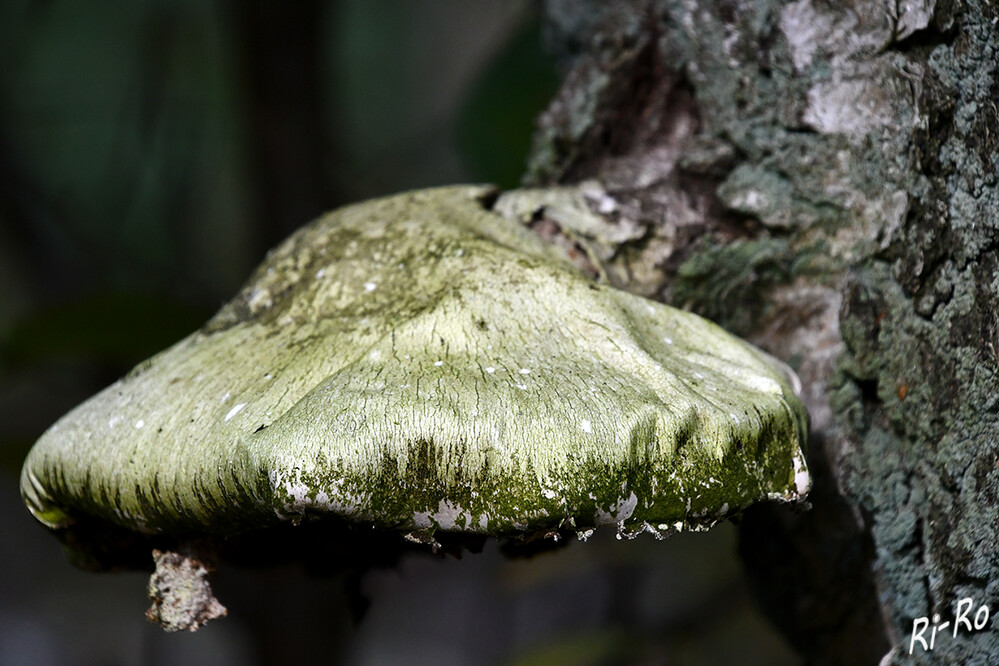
150	153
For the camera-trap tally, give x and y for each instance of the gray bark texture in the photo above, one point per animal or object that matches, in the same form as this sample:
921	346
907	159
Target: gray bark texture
820	178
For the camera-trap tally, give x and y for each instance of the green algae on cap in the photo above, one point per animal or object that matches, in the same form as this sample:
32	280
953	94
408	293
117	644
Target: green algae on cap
421	363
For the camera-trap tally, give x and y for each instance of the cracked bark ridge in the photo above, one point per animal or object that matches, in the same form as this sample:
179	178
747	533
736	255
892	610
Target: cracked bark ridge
180	591
821	178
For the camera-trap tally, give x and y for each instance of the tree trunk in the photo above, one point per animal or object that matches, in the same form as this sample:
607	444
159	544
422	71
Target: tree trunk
821	179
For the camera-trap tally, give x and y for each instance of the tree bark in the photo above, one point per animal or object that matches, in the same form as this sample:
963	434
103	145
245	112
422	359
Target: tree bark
821	179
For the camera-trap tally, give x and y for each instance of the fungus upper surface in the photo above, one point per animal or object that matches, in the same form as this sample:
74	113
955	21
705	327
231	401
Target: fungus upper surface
419	363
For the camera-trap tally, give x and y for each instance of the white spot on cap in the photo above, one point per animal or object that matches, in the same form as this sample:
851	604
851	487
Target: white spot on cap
438	363
525	371
259	299
586	425
668	341
490	370
763	384
320	273
370	286
801	477
235	410
619	512
140	423
522	387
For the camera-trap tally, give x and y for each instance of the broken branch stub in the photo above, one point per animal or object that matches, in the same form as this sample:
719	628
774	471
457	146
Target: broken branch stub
420	363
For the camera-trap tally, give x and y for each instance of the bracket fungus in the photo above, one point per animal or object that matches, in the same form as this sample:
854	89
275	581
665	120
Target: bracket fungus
420	363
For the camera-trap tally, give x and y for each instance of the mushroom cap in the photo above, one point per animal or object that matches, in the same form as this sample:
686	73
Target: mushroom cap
420	363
